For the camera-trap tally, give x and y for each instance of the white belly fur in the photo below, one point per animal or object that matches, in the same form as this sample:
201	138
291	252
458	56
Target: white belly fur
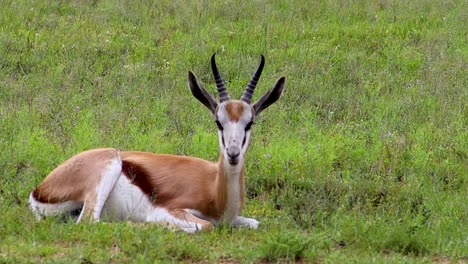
126	202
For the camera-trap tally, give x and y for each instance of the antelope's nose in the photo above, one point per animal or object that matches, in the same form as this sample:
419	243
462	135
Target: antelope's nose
233	153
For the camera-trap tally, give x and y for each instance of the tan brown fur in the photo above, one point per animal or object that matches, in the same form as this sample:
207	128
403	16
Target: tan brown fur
74	178
184	215
181	182
172	182
235	109
223	185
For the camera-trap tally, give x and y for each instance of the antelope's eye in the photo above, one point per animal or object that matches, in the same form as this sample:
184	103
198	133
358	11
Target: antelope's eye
249	126
220	127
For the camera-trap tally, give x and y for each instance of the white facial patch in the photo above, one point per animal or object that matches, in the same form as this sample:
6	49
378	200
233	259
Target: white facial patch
234	120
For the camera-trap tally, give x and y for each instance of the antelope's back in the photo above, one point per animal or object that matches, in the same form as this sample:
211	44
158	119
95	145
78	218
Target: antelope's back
75	177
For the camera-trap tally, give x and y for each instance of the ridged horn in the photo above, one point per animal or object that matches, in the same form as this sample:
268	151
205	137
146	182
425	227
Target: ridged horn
247	96
220	85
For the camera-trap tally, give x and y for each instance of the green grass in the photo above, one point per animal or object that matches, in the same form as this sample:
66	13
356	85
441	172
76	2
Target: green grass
363	160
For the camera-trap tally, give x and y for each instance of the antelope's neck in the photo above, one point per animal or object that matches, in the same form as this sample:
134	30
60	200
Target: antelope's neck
230	187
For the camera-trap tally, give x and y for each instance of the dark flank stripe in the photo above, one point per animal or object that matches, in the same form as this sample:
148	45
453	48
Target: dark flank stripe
38	197
36	194
139	177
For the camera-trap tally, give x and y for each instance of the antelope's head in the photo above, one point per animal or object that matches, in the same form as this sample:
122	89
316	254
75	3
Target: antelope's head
235	118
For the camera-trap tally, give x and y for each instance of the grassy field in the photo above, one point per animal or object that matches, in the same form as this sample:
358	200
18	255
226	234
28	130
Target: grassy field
364	159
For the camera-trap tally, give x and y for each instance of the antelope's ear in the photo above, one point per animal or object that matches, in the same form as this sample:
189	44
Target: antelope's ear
201	94
270	97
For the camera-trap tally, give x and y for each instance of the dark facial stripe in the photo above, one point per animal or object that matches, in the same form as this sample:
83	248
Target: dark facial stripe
218	124
248	126
247	129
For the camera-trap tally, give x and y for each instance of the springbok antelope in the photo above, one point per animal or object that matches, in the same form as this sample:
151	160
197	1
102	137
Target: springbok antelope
182	192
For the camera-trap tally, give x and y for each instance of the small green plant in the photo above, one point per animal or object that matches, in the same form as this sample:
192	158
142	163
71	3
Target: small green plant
284	247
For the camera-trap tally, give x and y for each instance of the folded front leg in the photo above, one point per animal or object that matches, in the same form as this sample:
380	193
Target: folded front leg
240	221
180	219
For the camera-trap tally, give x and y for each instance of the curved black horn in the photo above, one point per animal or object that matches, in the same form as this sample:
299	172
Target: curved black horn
247	96
223	94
